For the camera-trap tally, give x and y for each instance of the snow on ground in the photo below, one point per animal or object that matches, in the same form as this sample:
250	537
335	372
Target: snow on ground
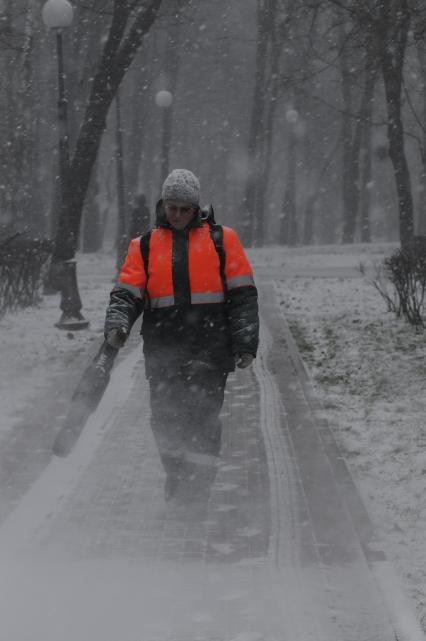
369	370
320	258
34	353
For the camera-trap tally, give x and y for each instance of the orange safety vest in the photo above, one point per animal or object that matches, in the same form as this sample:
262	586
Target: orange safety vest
203	267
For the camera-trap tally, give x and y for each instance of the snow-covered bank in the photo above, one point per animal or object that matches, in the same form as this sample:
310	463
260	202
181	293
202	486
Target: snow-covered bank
369	369
34	353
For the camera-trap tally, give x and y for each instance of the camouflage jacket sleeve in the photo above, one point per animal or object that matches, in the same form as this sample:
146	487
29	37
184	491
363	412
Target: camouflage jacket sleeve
242	306
243	319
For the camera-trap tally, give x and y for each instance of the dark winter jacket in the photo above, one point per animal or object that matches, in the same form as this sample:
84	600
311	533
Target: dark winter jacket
187	314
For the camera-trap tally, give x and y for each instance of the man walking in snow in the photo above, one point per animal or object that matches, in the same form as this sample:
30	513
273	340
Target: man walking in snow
194	285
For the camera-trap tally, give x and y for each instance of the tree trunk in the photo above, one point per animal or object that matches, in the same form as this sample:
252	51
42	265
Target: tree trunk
399	161
265	142
366	181
310	196
351	139
367	164
121	239
421	222
361	131
171	67
288	235
136	133
27	191
92	235
8	149
366	114
264	157
315	191
394	26
256	127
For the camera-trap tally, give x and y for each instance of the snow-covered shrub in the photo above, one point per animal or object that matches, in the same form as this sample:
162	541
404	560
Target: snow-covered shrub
22	261
405	272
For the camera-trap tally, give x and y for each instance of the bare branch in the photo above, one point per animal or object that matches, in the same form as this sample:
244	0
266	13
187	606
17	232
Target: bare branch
412	109
141	25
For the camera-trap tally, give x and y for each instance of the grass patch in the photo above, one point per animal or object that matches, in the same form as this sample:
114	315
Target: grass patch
299	334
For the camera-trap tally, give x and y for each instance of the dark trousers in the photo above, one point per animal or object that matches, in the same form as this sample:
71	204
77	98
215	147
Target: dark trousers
185	404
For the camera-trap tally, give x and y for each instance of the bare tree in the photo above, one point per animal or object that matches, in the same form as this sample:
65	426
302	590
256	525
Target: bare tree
420	116
122	42
171	68
266	11
386	25
18	125
130	21
392	22
357	138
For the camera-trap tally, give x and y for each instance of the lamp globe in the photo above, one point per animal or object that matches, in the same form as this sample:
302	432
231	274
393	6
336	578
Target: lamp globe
57	14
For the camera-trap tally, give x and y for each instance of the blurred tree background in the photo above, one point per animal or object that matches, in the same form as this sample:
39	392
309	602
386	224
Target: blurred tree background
304	119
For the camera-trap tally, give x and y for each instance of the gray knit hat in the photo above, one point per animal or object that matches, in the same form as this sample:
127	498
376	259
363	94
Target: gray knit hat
181	184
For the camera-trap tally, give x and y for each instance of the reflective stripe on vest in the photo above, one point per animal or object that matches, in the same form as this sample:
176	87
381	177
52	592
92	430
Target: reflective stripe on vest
240	281
161	301
196	299
207	297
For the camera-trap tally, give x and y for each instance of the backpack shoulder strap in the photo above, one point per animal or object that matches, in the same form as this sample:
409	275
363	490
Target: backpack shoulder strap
216	234
144	245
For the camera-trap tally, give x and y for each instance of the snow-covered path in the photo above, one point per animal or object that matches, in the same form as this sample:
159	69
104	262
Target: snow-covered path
285	550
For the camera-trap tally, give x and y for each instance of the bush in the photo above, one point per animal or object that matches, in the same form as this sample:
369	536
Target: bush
405	271
22	264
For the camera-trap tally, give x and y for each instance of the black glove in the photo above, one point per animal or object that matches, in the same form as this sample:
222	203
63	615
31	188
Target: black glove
117	336
243	359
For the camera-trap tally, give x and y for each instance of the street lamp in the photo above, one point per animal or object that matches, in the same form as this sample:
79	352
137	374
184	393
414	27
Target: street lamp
58	15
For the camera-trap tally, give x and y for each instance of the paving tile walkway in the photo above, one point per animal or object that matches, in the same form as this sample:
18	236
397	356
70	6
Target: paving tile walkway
278	553
118	506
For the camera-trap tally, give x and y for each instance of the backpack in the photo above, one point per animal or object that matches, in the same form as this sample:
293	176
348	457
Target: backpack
216	234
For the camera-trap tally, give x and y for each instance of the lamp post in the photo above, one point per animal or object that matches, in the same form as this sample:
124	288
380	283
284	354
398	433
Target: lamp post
58	15
164	100
122	240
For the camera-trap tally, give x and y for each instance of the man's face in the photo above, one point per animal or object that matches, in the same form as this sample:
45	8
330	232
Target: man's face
179	214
